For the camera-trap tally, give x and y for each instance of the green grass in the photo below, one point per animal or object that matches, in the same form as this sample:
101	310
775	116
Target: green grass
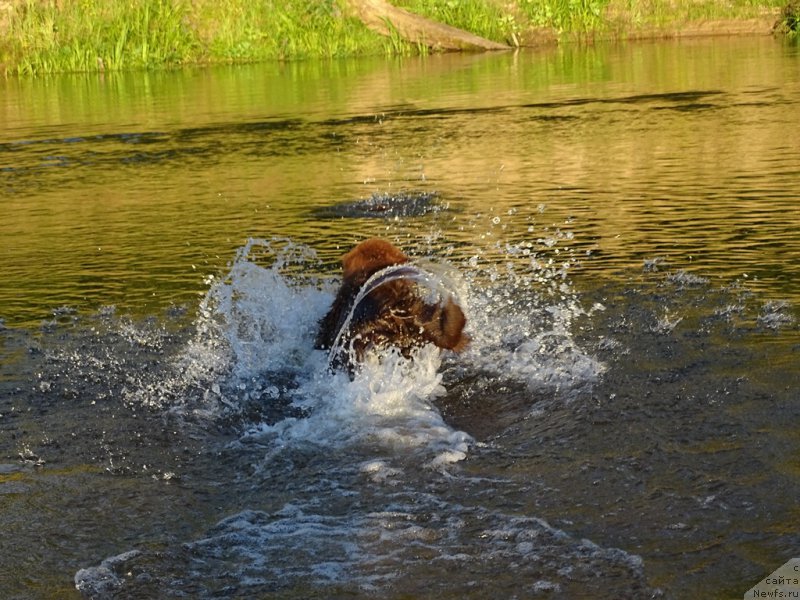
90	35
42	36
481	17
245	30
566	16
511	22
673	15
789	22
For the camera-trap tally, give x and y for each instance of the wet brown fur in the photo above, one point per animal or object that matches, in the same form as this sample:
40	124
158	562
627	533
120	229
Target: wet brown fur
393	314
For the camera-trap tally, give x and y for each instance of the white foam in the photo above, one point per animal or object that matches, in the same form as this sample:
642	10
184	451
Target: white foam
524	336
261	322
266	317
375	548
387	404
103	581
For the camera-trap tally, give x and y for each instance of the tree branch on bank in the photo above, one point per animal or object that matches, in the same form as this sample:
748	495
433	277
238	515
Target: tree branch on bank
389	20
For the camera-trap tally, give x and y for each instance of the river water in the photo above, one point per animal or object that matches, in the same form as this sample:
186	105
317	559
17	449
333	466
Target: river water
622	224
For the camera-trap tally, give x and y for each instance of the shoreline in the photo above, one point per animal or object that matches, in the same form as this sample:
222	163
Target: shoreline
60	36
759	26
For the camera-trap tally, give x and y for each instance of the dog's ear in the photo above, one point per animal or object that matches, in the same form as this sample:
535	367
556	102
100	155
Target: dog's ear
445	326
369	257
453	327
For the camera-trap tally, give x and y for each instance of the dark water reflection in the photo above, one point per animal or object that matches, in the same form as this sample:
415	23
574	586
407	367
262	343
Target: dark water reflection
662	178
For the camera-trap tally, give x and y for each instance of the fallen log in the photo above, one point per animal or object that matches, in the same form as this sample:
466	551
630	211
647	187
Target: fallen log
389	20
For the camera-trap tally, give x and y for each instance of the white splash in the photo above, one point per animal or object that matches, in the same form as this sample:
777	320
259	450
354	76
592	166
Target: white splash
255	344
386	406
262	322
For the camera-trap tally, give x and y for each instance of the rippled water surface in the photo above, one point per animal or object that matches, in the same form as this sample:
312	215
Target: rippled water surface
622	227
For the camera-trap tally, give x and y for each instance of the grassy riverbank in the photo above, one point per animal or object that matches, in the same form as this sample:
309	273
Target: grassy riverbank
41	36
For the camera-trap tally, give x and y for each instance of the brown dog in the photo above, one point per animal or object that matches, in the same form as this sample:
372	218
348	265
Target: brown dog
392	314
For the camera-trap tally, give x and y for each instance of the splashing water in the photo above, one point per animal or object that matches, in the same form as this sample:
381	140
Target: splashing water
253	354
522	312
254	346
251	363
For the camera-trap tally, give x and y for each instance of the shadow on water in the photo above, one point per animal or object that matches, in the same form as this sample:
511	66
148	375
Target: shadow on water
276	137
622	425
399	205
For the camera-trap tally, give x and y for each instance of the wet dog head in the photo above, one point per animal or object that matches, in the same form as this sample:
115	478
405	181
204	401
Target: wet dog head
368	258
